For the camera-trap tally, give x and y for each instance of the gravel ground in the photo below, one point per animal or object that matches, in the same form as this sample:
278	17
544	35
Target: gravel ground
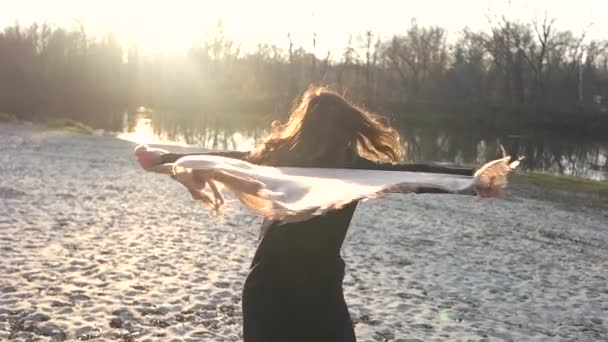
94	248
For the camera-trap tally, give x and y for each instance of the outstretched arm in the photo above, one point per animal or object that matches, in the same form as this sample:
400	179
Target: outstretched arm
490	180
149	158
167	158
367	164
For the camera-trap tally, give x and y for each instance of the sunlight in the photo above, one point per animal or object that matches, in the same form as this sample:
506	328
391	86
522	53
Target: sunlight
174	27
170	27
142	132
157	27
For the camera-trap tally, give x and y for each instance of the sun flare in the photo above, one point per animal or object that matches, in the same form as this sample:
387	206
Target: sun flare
173	27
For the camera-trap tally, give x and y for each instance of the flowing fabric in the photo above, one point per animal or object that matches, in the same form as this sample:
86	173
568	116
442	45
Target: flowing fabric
297	194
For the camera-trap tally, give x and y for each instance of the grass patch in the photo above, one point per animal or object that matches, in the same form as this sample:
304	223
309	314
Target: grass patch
561	182
69	125
6	117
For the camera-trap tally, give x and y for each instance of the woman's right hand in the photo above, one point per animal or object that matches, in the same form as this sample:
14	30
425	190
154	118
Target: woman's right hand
148	157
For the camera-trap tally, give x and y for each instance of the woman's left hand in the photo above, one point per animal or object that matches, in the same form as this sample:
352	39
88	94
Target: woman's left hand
492	178
490	191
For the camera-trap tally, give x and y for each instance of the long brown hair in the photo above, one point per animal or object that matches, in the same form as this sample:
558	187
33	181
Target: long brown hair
326	130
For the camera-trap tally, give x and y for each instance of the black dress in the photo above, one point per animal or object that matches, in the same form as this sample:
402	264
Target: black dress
294	289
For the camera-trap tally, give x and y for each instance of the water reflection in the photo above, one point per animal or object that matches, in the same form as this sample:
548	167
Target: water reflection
464	145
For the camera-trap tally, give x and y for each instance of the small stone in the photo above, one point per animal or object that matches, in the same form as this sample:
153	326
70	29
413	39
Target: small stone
50	330
221	284
87	333
424	326
38	317
116	323
161	323
8	289
58	304
207	314
384	335
163	310
124	314
79	297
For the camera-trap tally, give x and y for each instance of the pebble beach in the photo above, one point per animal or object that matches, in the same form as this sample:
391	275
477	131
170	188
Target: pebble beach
94	248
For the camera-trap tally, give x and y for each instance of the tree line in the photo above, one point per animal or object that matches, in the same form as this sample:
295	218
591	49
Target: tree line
534	69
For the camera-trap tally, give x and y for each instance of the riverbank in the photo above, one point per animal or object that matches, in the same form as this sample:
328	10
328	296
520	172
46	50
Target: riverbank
574	192
94	247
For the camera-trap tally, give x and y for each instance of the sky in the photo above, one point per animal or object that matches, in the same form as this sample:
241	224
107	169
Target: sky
171	27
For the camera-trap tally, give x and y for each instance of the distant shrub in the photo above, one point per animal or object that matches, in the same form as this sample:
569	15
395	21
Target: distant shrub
6	117
69	125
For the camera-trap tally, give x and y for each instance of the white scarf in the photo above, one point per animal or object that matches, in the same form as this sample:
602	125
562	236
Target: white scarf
292	194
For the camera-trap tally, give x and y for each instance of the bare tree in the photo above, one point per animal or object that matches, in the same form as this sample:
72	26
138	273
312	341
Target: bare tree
418	56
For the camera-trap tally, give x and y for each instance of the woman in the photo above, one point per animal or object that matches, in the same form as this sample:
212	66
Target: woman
294	289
